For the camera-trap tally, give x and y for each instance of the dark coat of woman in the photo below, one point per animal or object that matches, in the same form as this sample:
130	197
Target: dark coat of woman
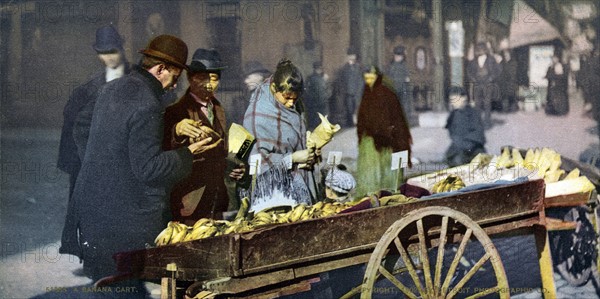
208	170
121	193
382	130
557	99
380	116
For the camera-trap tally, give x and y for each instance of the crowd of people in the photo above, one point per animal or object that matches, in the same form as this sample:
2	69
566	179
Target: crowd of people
138	159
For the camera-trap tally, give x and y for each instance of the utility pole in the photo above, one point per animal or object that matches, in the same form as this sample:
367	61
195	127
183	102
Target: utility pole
438	55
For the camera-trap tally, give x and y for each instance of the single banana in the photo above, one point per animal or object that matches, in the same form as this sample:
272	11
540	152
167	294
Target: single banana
572	174
179	234
297	213
202	222
164	237
211	231
318	205
243	211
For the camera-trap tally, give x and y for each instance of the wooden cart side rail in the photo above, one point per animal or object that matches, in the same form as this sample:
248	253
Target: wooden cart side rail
264	250
277	247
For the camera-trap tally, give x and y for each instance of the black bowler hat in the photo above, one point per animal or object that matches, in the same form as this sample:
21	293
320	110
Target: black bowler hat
205	60
169	49
107	39
399	50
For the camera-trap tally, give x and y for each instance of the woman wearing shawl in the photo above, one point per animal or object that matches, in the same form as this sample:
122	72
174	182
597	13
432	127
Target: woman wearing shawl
275	118
382	130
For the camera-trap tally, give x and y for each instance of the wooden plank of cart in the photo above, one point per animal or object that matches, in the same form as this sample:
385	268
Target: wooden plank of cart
386	238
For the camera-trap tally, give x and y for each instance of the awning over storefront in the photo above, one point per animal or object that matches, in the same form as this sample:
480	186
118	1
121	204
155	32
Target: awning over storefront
528	27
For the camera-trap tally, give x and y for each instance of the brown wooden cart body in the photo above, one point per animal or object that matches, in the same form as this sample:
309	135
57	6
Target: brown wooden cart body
239	262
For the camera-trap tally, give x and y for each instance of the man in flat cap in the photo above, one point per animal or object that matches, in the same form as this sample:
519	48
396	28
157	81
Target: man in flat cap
120	196
399	73
202	194
109	48
347	91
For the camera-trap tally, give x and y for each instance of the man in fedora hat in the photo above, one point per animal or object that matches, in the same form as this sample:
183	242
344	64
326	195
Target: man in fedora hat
109	48
120	195
202	194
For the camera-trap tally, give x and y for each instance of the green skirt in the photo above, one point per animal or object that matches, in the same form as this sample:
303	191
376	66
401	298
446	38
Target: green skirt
373	171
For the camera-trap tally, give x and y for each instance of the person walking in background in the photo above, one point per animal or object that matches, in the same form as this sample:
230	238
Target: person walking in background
277	123
120	196
198	114
109	48
347	91
400	75
254	75
508	82
591	85
382	129
465	128
316	96
483	72
557	99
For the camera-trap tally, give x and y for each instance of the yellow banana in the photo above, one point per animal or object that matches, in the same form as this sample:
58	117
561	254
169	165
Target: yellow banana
164	237
318	205
297	212
209	232
202	222
180	231
572	174
243	211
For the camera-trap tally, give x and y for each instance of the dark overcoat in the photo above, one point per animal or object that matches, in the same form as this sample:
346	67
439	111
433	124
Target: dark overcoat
208	170
121	193
466	131
380	116
68	160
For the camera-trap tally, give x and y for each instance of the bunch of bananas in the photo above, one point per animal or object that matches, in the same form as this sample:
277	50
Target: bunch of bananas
176	232
545	162
451	183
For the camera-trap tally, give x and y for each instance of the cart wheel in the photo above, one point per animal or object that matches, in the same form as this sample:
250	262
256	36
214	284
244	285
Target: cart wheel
412	236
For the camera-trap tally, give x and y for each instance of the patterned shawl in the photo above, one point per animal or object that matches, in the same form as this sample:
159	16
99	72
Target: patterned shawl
279	132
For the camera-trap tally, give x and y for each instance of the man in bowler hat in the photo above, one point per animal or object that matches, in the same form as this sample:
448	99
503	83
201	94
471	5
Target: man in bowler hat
202	194
120	196
109	48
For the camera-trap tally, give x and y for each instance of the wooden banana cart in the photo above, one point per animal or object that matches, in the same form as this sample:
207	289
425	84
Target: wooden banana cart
409	245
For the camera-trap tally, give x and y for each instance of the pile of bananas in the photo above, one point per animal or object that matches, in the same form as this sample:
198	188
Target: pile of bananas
176	232
545	162
451	183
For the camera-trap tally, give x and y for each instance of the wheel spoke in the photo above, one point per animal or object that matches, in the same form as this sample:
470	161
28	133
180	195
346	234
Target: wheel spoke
457	256
397	283
409	265
440	257
424	257
413	235
469	275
